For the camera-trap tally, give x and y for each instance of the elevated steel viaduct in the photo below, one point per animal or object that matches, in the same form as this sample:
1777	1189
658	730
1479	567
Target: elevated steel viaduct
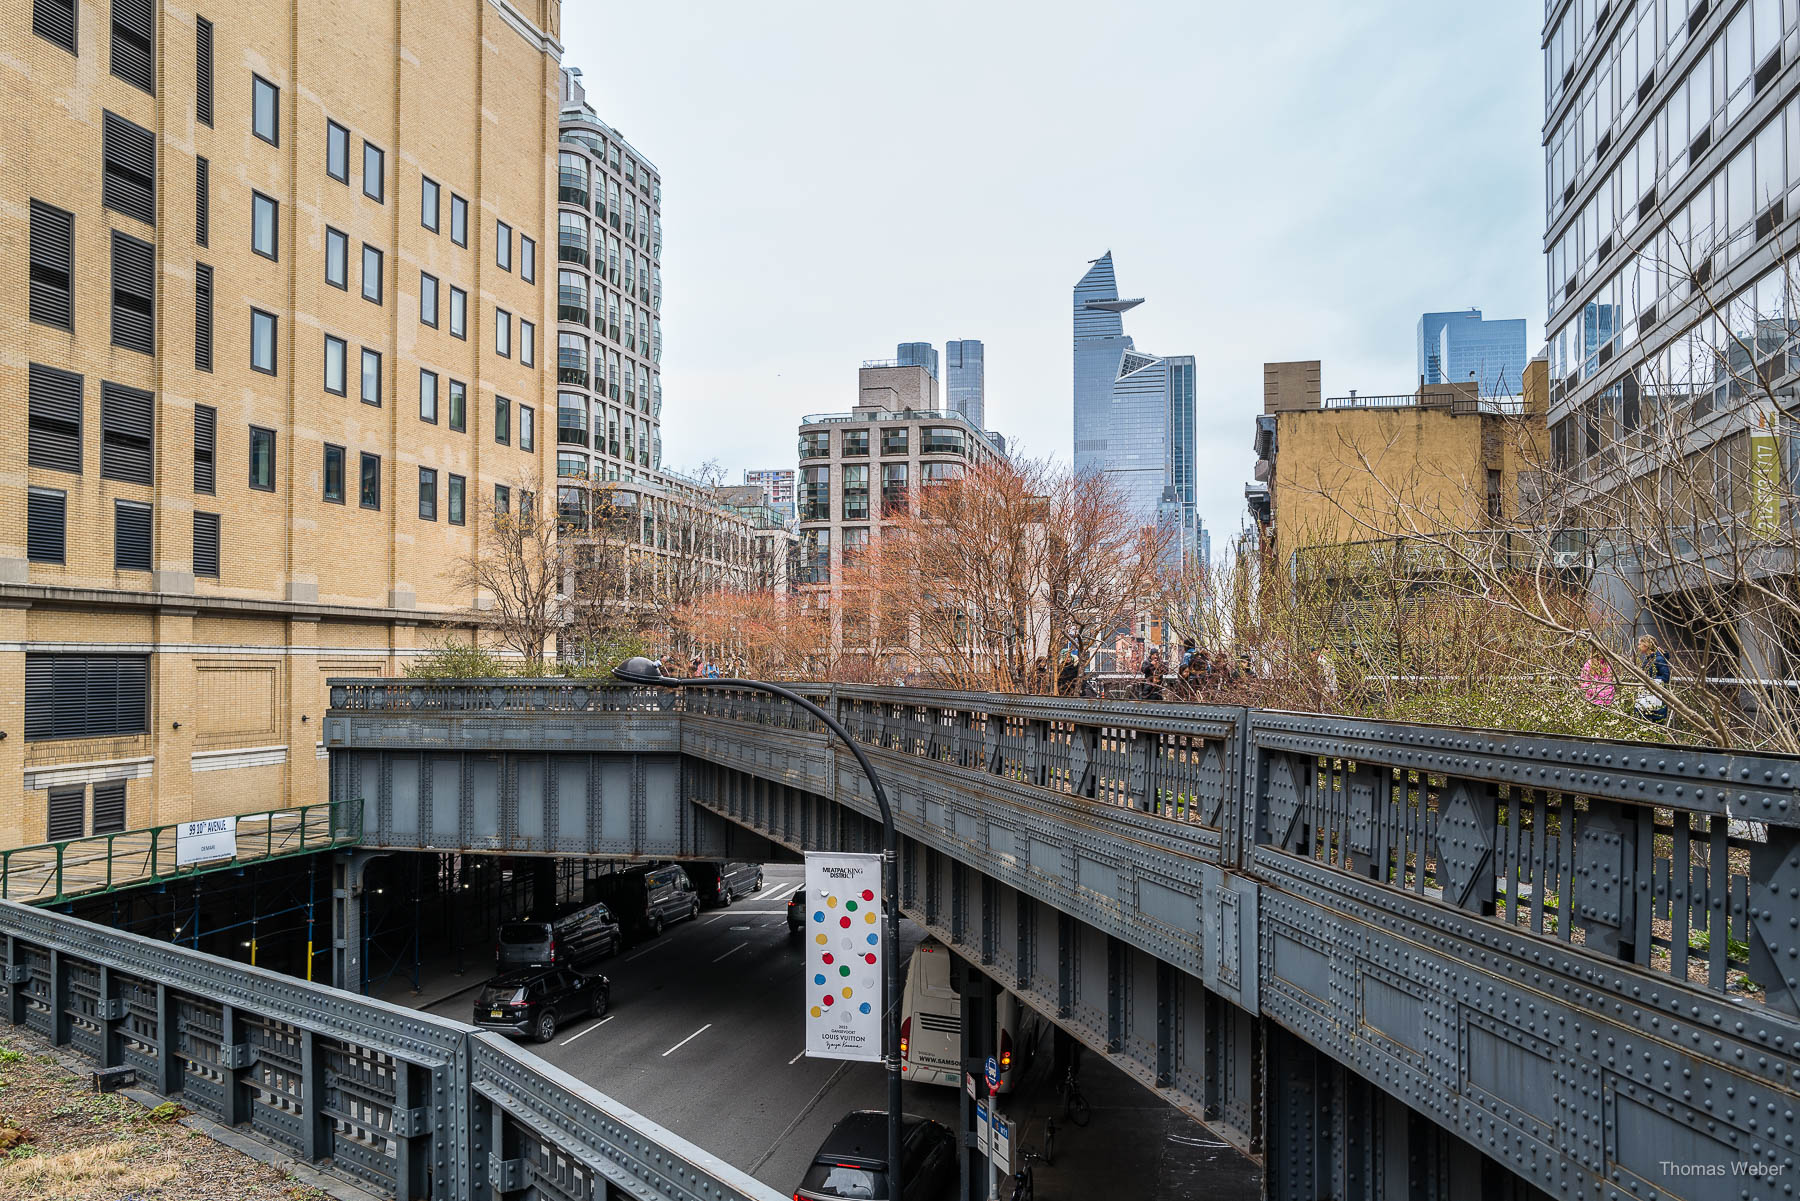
1388	961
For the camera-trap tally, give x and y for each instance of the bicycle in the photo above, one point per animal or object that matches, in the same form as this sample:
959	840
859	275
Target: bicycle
1075	1105
1024	1186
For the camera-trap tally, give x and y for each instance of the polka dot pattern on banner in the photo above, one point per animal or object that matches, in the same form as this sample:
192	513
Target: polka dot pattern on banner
838	1000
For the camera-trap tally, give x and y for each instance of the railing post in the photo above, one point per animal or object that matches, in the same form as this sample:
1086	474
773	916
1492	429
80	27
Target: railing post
1605	894
109	1012
1775	918
169	1066
59	998
17	973
1065	964
411	1126
234	1058
315	1139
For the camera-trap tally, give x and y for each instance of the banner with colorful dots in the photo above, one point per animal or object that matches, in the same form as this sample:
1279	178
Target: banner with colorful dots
843	956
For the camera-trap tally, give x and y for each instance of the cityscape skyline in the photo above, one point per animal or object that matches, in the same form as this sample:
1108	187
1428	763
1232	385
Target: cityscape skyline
1239	277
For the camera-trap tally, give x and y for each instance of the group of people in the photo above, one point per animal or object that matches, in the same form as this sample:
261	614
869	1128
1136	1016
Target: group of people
702	667
1599	687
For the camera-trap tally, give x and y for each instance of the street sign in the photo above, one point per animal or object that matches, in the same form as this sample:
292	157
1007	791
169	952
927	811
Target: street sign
969	1084
843	957
204	841
998	1138
993	1075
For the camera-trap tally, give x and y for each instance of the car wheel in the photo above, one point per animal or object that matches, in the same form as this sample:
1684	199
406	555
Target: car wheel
725	896
759	882
602	1001
656	926
544	1029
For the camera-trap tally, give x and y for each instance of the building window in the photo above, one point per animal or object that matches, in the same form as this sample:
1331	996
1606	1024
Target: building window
527	428
374	172
893	490
133	284
337	258
45	525
109	806
206	448
206	544
371	273
527	259
133	45
428	203
502	420
262	341
503	246
334	474
856	492
203	317
131	536
856	443
371	377
262	459
459	220
263	211
893	441
502	499
54	20
458	486
336	356
55	401
52	266
66	818
85	696
816	445
459	406
370	493
428	388
527	344
337	151
265	110
815	557
503	333
202	200
815	494
941	440
203	71
427	494
428	299
126	420
459	312
128	168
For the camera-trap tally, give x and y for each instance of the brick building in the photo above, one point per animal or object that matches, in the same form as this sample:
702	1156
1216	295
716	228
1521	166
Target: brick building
283	342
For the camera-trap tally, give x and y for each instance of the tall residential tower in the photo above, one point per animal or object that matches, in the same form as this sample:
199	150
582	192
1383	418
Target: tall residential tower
1456	348
965	381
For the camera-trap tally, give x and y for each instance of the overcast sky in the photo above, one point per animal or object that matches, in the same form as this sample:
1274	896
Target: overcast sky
838	178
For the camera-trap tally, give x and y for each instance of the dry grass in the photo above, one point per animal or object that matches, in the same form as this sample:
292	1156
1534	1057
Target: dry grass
72	1144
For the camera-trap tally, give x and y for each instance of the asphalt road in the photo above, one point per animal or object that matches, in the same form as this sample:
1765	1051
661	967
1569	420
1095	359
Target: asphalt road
704	1037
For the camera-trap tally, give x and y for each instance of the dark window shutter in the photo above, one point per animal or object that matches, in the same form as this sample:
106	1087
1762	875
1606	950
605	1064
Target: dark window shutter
109	806
52	265
68	816
55	401
45	539
128	159
203	317
206	441
55	20
206	544
85	696
132	33
131	536
203	72
126	415
134	268
202	200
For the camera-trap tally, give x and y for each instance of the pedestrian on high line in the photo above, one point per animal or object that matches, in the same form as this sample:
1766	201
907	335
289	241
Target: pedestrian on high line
1652	706
1597	681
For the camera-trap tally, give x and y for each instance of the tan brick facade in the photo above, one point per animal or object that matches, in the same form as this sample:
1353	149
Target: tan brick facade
463	92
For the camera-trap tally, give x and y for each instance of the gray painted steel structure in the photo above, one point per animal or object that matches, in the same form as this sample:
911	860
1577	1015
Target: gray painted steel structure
1323	936
404	1103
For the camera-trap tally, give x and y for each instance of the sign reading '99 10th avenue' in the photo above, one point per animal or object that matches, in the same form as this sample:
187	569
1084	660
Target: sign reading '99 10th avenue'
205	841
843	957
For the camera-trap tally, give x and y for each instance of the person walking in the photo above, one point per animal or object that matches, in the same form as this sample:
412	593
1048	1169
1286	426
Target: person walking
1328	676
1153	673
1597	681
1067	675
1651	706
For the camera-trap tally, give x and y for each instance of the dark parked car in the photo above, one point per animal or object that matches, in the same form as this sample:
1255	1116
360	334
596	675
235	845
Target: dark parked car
722	883
852	1161
797	911
534	1001
646	899
573	934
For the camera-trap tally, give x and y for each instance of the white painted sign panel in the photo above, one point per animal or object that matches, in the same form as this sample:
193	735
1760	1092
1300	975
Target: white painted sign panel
843	956
204	841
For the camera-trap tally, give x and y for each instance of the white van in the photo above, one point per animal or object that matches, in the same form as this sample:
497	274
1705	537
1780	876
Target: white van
931	1025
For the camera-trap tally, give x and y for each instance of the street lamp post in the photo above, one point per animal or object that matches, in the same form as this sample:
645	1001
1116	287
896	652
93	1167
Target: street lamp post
647	672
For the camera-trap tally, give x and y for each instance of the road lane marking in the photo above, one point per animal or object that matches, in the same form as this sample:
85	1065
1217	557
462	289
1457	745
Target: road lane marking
565	1042
796	1059
733	951
645	951
684	1042
780	892
801	1116
751	912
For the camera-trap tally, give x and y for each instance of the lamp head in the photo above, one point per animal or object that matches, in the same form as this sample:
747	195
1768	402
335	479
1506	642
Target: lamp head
639	670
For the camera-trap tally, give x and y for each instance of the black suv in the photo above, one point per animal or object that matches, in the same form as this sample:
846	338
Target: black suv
852	1161
570	935
796	912
534	1001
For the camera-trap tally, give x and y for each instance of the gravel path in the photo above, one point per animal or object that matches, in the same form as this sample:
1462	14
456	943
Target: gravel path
83	1146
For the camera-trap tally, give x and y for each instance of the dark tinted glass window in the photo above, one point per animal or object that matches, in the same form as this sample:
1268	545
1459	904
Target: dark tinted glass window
265	110
337	152
334	474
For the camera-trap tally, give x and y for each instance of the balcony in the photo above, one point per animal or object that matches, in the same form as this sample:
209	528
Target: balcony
572	193
572	374
568	310
571	427
570	252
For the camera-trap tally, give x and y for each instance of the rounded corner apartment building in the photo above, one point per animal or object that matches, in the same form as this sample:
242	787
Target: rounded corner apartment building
275	319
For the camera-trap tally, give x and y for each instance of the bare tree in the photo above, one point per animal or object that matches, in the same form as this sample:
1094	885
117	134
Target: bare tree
515	574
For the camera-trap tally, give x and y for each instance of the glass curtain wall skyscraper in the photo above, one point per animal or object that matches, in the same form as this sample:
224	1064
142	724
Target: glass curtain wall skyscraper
1132	409
1457	347
918	354
963	386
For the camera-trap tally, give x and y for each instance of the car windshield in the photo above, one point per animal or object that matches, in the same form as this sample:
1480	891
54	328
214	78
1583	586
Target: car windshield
501	994
845	1180
522	932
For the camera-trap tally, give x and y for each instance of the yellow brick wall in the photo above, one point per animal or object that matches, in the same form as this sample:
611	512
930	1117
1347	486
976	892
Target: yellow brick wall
462	91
